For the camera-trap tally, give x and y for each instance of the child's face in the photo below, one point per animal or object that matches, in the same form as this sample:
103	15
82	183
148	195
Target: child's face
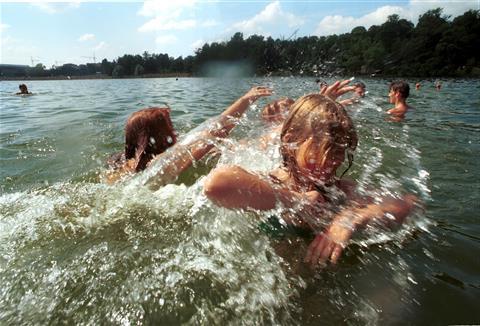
360	91
392	96
312	163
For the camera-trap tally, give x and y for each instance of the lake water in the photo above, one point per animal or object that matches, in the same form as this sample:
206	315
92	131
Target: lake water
74	250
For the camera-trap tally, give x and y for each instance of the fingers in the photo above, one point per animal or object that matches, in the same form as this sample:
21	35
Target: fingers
323	249
345	89
311	249
330	90
323	89
336	89
344	83
317	253
262	89
337	252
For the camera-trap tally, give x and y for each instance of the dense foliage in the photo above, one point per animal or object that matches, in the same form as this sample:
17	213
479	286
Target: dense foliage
436	46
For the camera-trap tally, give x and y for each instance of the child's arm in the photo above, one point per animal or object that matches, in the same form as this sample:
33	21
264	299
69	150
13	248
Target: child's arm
181	156
227	118
234	188
330	244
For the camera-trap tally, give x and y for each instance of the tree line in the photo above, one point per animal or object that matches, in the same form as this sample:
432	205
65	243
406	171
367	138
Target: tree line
436	46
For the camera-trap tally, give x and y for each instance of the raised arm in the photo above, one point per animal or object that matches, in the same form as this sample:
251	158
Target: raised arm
227	119
170	164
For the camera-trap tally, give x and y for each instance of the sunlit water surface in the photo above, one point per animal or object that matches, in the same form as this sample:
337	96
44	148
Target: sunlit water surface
75	250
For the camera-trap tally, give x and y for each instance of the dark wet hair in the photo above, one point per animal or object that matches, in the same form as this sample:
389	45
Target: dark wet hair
400	86
148	132
360	84
22	86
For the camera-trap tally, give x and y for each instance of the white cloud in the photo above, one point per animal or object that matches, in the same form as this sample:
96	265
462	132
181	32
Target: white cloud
165	39
17	51
3	27
86	37
100	46
165	9
209	23
56	7
159	24
271	17
171	15
197	44
343	24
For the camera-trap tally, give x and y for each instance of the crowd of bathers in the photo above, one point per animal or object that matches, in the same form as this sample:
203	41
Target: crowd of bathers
317	137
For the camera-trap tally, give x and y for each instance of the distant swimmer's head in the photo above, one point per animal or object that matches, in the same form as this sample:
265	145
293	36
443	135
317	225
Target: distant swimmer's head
148	132
23	89
417	86
277	111
360	89
315	138
321	83
398	90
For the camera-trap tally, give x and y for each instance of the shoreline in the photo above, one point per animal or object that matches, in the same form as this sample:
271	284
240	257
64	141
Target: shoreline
189	75
98	76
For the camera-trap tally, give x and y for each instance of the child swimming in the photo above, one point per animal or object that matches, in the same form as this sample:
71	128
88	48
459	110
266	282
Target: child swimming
149	133
315	138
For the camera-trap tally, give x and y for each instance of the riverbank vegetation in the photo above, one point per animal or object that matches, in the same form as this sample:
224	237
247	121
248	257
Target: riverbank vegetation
436	46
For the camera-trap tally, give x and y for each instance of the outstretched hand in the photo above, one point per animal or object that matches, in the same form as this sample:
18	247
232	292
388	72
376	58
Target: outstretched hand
336	89
329	245
277	110
256	92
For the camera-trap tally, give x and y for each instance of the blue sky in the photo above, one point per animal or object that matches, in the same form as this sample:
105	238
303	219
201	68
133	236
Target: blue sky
56	33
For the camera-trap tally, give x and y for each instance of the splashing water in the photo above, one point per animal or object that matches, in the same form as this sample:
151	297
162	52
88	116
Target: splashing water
85	252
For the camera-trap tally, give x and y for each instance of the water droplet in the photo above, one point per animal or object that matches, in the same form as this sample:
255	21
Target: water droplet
152	140
169	139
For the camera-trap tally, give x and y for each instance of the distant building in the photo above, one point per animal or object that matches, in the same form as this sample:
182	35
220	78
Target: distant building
7	70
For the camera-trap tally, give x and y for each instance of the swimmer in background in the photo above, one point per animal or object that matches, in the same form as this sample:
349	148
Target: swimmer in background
149	133
418	86
438	85
398	94
359	90
23	90
316	137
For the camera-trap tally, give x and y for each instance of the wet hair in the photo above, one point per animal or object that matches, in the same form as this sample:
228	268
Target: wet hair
148	132
360	84
400	86
322	122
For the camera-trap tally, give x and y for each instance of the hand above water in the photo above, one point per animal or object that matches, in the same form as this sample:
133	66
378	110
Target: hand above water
336	89
256	92
329	245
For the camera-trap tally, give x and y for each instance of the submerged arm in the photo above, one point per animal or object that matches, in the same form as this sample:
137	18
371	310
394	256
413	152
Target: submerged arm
329	245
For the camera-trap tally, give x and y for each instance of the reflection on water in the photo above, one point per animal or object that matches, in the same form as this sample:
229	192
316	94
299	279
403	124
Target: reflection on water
78	251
